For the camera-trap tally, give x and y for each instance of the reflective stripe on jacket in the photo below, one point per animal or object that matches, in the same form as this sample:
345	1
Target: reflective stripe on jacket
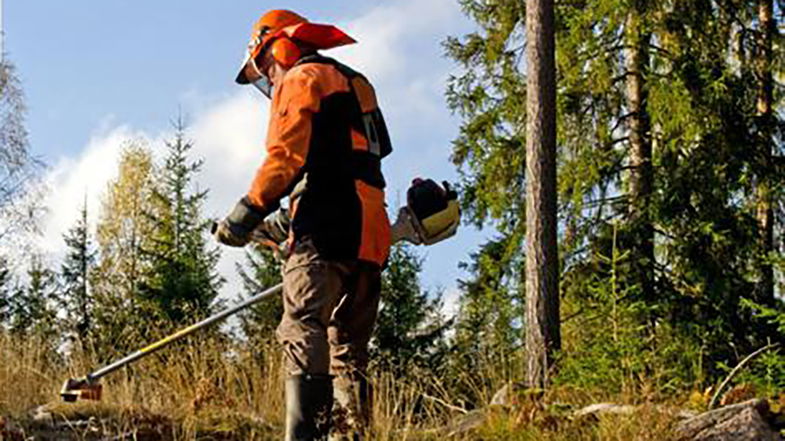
325	122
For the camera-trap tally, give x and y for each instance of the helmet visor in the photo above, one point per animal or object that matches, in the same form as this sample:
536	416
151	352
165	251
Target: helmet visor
264	85
251	72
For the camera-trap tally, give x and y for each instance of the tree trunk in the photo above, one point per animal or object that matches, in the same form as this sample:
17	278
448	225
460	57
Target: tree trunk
542	268
639	126
764	211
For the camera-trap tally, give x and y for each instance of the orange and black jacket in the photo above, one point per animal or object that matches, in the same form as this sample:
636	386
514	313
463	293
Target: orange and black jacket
325	124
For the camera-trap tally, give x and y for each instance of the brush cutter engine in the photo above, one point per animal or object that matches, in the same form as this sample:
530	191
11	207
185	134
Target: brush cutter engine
431	214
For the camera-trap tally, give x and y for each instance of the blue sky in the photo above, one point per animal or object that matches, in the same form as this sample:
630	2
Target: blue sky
98	72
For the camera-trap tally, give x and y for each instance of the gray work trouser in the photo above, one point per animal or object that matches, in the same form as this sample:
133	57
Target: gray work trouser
330	308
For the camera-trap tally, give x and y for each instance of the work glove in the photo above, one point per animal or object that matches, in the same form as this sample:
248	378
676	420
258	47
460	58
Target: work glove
235	230
276	226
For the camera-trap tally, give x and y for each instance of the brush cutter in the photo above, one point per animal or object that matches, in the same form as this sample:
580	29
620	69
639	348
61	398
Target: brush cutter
431	215
88	388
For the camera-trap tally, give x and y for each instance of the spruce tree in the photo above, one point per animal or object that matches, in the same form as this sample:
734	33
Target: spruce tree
77	300
260	271
409	327
33	306
489	94
181	282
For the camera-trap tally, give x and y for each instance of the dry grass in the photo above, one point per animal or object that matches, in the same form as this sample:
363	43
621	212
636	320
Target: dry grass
209	389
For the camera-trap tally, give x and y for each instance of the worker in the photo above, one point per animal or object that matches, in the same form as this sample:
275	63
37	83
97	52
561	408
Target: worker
325	141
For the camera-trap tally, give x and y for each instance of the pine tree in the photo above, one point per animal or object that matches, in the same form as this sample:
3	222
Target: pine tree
77	300
543	330
181	281
764	205
409	329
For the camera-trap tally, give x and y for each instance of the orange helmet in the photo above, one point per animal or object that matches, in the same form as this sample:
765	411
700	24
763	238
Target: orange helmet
278	31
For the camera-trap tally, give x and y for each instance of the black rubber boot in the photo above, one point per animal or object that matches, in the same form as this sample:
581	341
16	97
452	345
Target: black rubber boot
309	400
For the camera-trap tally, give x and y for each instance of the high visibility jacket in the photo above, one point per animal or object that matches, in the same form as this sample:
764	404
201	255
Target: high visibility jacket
326	126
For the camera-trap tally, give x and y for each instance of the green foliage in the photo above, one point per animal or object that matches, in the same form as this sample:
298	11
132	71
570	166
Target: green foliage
181	282
33	307
491	305
700	90
490	94
608	346
766	373
76	299
409	327
6	291
262	270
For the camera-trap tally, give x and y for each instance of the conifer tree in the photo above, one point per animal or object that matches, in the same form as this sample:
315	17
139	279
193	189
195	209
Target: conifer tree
490	96
261	270
33	307
181	281
659	133
641	178
766	177
543	328
77	300
409	327
706	120
6	290
490	305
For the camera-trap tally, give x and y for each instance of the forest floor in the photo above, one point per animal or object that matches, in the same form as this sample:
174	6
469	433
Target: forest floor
97	422
204	391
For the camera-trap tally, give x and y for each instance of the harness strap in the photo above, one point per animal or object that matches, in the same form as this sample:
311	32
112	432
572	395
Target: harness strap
371	121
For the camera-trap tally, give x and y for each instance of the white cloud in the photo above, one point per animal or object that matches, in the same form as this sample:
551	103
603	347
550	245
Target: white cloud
451	302
228	137
394	36
71	181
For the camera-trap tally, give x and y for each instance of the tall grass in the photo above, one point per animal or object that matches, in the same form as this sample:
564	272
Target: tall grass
211	388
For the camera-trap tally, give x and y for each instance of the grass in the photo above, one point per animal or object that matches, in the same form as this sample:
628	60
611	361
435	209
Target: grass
211	389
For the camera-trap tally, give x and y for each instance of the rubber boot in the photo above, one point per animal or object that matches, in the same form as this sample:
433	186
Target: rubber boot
308	406
353	407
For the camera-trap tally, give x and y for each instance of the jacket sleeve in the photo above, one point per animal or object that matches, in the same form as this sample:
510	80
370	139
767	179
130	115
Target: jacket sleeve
288	138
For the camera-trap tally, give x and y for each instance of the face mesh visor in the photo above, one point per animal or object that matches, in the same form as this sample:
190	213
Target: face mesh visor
264	85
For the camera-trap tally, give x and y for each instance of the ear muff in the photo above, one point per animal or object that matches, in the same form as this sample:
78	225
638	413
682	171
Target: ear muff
285	52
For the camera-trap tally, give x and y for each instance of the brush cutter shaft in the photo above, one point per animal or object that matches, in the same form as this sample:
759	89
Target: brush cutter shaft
182	333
